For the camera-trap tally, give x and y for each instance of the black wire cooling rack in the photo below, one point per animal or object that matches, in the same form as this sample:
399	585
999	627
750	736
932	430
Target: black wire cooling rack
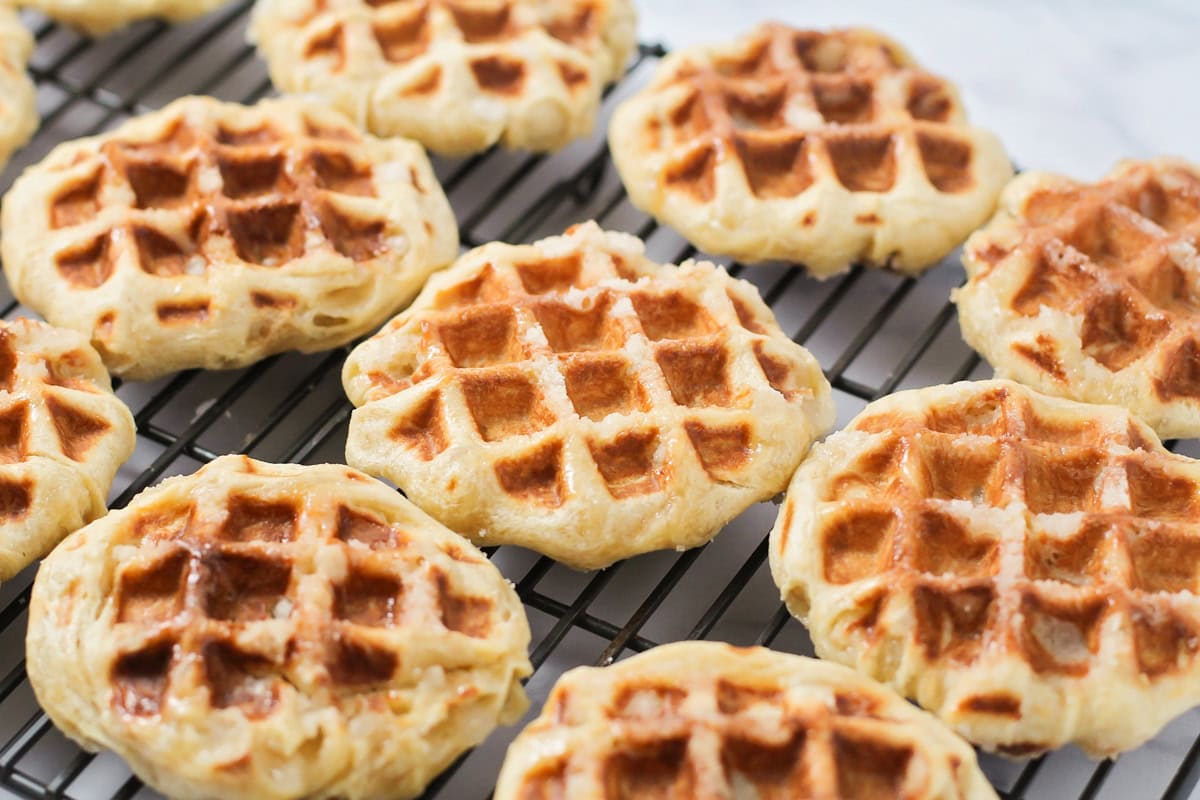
875	332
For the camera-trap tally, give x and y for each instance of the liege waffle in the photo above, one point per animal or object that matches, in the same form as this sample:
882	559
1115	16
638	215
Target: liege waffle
63	435
212	235
1092	291
18	112
578	399
826	148
1025	566
98	17
265	631
457	75
707	720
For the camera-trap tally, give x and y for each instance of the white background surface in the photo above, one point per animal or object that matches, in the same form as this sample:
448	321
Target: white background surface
1069	86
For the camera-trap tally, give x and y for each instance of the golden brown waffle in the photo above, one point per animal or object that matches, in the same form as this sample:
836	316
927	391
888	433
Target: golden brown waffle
265	631
212	234
576	398
825	148
1024	566
18	112
63	435
707	720
1093	291
456	75
98	17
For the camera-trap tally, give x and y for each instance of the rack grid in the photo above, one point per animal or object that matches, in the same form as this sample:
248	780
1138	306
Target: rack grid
875	333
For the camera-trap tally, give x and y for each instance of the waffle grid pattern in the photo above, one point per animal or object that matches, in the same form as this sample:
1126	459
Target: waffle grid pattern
213	234
229	606
456	76
583	373
704	720
248	571
1092	291
1015	549
792	91
62	437
799	144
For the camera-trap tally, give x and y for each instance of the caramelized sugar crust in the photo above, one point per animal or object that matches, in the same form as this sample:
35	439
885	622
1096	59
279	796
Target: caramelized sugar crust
575	374
63	435
212	234
457	76
234	601
1017	547
809	132
701	719
1092	291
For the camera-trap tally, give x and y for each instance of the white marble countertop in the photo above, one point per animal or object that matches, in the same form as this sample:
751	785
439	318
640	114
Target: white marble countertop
1070	86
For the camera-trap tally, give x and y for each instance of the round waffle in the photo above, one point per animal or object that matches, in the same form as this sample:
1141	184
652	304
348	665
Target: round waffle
822	148
707	720
575	398
1093	291
98	17
456	75
1026	567
18	112
212	235
63	435
264	631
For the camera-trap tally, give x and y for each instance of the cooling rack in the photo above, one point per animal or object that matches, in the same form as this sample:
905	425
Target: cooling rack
874	332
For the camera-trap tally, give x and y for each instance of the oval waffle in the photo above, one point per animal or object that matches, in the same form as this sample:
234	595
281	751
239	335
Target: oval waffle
98	17
1024	566
707	720
576	398
18	112
63	435
1092	291
265	631
825	148
212	235
456	75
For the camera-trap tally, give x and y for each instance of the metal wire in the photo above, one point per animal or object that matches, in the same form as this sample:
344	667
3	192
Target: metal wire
876	333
